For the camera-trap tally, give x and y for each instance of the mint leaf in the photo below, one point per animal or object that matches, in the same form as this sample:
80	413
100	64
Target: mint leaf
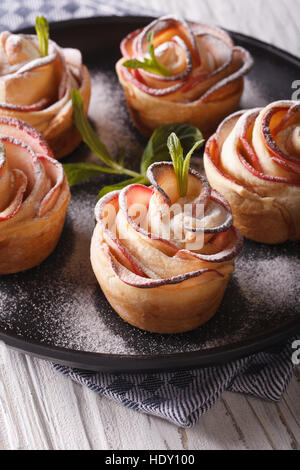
157	148
147	65
163	145
150	65
88	134
137	64
79	172
150	45
186	165
42	31
181	165
176	153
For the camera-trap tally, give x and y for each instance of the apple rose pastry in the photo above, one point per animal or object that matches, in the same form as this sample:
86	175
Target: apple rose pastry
34	196
177	71
254	161
38	89
163	261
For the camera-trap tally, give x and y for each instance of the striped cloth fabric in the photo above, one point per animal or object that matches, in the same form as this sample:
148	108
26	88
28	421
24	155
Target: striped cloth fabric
21	13
182	396
178	396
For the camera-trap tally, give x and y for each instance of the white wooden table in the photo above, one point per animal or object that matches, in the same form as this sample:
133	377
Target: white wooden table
40	409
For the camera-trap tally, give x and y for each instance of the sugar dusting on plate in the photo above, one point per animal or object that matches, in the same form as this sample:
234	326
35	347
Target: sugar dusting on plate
60	303
109	116
276	282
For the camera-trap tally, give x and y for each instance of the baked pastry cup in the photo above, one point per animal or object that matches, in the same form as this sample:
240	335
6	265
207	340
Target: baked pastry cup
155	280
254	161
34	196
206	75
38	89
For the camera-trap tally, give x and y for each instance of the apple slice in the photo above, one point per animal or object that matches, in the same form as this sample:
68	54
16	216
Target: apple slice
279	157
225	247
215	143
18	186
19	129
105	214
140	196
165	28
56	174
140	282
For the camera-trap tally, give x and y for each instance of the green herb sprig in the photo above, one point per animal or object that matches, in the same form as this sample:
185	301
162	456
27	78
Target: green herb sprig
181	165
42	31
156	151
149	64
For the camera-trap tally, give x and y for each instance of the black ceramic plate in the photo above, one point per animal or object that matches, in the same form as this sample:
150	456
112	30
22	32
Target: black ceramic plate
57	310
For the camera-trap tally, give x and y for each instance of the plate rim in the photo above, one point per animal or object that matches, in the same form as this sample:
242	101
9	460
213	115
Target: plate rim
61	24
125	362
134	363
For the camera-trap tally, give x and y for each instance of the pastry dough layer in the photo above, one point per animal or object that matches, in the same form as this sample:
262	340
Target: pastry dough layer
206	75
254	161
38	89
158	284
34	196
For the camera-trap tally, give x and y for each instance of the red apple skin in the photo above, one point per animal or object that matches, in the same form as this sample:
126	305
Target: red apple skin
21	130
269	213
136	193
119	248
281	159
136	278
37	228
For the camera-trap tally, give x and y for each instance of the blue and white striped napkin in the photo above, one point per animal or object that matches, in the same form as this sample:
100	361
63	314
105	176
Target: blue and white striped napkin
178	396
182	396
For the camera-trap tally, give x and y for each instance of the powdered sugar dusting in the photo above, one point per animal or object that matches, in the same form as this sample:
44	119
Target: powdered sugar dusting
110	118
55	300
275	284
254	95
60	302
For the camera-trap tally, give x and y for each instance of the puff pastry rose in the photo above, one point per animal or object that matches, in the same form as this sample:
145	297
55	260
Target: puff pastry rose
254	161
155	280
205	79
38	89
34	196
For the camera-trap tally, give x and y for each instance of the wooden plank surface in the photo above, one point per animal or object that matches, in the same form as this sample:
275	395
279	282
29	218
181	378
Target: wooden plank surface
276	22
40	409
